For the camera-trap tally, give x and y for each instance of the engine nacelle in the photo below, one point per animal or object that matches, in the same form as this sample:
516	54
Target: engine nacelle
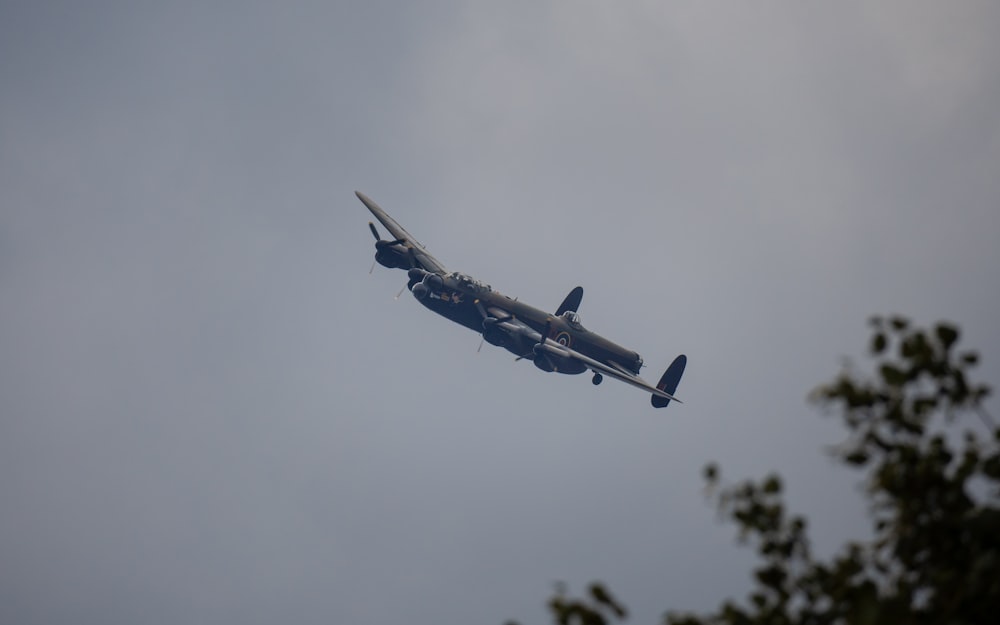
494	335
416	274
517	341
547	361
388	257
544	362
433	281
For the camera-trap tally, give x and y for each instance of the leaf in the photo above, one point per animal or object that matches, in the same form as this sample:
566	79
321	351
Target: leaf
858	457
892	375
772	484
601	596
947	334
878	343
899	323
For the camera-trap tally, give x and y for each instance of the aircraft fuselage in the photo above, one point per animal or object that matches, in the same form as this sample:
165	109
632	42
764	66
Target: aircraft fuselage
464	300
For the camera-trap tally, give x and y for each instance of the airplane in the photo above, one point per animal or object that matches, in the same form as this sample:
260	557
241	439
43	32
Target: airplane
553	342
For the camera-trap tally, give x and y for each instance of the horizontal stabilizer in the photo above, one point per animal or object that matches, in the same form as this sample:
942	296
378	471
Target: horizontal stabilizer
668	383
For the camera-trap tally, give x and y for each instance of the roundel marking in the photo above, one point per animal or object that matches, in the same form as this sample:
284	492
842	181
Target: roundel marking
564	339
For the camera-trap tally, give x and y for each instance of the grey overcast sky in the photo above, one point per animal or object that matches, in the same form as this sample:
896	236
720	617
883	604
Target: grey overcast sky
211	413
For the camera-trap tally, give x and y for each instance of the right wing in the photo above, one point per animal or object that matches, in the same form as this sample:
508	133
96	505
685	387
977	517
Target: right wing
517	327
595	365
420	254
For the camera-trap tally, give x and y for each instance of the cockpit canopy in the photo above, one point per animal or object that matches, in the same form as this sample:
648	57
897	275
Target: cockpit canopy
572	317
469	283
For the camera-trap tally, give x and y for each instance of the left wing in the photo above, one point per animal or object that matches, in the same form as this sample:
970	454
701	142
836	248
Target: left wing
419	252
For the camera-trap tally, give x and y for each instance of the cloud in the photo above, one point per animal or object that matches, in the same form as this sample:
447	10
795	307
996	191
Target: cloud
213	411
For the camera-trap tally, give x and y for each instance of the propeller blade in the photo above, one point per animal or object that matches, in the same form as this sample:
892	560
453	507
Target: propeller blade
485	315
480	345
374	231
372	269
400	292
548	327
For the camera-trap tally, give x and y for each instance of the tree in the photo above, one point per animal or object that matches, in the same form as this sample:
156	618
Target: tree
915	427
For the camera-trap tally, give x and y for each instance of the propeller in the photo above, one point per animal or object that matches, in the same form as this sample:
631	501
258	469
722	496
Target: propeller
379	243
537	349
488	320
548	328
378	238
545	334
486	315
481	309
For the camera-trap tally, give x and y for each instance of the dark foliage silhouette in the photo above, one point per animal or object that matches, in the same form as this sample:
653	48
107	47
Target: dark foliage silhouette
930	454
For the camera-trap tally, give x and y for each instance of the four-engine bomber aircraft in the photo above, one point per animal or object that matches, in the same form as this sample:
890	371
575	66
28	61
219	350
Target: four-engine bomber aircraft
553	342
